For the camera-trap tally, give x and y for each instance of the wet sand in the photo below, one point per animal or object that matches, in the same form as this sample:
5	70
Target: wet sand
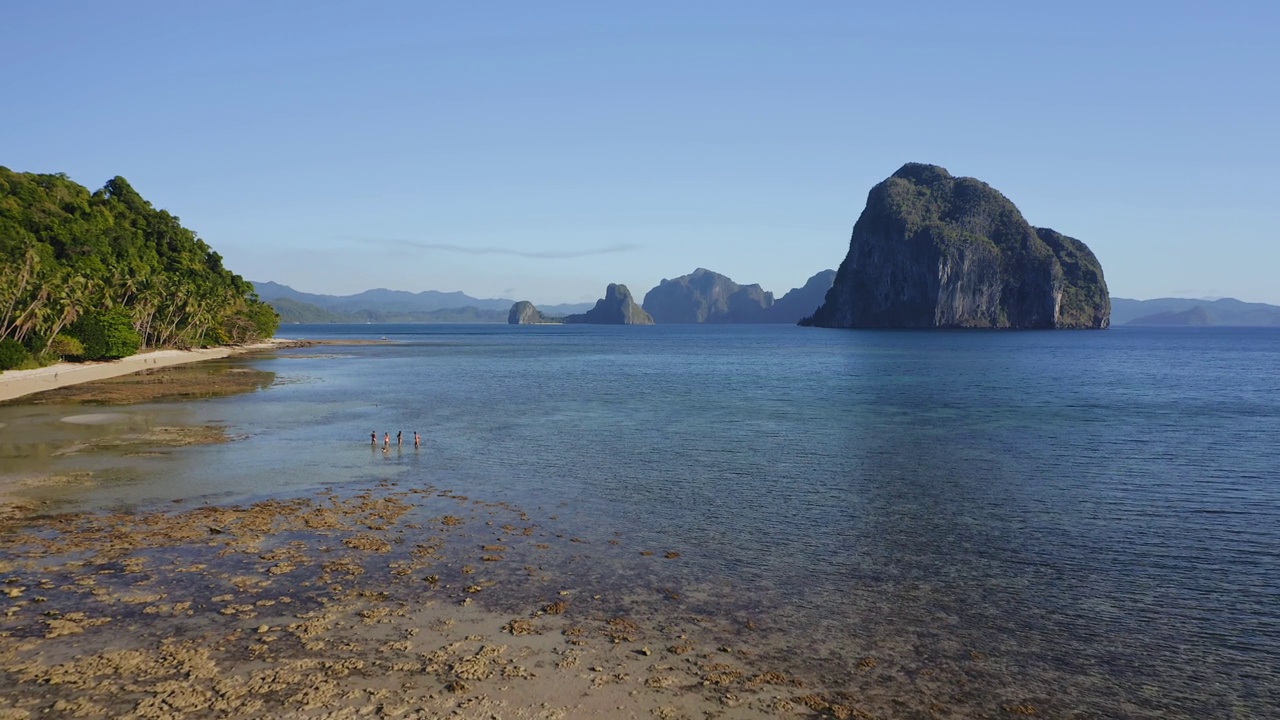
19	383
175	383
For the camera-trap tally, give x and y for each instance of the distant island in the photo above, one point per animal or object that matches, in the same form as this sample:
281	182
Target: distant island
524	313
1224	312
704	296
391	306
617	307
455	307
934	251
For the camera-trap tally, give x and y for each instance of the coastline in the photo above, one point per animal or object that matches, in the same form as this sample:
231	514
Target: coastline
19	383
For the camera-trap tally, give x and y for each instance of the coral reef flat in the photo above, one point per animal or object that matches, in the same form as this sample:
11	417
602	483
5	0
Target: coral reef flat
412	603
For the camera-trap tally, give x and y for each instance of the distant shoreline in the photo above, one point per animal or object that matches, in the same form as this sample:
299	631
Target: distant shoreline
19	383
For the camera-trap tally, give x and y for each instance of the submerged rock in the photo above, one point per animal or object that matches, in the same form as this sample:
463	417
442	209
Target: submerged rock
932	250
616	308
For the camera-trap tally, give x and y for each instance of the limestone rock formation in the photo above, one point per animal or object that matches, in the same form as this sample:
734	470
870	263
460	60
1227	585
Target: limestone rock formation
524	313
616	308
932	250
800	302
706	297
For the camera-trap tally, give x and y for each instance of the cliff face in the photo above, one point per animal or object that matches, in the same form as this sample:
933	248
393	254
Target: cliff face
524	313
705	296
801	302
616	308
931	250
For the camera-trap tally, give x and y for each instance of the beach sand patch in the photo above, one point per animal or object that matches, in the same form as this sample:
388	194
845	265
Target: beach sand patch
180	382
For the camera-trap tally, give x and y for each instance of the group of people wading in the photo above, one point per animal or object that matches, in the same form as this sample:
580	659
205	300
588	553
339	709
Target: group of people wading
386	440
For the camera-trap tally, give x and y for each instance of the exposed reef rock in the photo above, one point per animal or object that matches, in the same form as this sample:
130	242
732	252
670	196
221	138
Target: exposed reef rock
932	250
524	313
706	297
616	308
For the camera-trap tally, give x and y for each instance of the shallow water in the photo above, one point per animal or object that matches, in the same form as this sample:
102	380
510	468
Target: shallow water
1087	520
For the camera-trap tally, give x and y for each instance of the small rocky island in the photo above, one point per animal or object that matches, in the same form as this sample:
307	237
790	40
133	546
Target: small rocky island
616	308
524	313
935	251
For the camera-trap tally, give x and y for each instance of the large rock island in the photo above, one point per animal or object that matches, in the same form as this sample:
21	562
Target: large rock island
616	308
931	250
704	296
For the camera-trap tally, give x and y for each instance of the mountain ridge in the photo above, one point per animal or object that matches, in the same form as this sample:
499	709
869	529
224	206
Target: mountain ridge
1227	312
1222	312
384	305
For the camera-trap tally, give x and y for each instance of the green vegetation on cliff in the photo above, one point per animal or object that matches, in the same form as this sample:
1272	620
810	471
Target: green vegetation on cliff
932	250
108	270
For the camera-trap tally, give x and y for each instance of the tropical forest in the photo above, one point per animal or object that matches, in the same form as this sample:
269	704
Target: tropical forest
101	275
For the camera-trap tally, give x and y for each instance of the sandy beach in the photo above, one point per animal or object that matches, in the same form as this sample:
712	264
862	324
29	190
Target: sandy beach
19	383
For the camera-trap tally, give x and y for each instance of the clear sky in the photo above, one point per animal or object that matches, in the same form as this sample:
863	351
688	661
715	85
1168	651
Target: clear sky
540	150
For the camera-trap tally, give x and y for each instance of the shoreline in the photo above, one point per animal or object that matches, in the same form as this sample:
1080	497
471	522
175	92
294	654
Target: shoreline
15	384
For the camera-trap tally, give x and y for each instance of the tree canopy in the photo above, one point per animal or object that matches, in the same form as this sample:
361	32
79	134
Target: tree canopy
71	260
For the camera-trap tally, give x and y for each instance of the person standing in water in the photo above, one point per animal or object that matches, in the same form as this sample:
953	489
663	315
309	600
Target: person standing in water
386	441
373	438
399	438
416	440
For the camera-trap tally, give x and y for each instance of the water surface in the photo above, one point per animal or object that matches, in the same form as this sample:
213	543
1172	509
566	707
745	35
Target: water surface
1092	517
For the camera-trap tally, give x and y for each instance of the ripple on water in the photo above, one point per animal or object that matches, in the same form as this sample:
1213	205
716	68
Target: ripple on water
96	418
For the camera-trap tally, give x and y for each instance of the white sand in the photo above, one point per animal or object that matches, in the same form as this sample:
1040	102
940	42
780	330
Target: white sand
16	383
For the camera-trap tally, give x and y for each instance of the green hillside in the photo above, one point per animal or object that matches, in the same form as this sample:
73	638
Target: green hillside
101	274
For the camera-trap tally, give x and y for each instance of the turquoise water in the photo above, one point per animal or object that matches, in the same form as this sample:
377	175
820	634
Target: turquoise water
1089	519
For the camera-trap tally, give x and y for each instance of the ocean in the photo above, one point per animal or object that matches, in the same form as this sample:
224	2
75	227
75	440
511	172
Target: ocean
1091	519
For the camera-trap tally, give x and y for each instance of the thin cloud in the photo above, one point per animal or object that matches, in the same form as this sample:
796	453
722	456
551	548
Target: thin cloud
491	250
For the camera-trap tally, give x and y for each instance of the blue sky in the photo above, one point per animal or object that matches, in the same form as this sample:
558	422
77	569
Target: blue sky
542	150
